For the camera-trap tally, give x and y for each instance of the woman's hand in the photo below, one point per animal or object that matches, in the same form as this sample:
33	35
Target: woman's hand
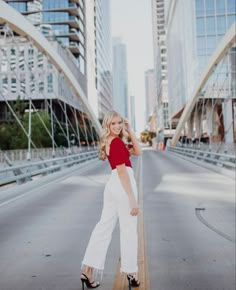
133	206
127	125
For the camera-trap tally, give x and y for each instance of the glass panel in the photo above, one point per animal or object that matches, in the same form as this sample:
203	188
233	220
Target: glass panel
231	6
199	7
221	25
220	6
55	16
49	4
231	20
60	29
211	44
210	25
50	83
20	6
210	7
200	26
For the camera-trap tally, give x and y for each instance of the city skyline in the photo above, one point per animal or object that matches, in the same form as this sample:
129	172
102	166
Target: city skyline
137	35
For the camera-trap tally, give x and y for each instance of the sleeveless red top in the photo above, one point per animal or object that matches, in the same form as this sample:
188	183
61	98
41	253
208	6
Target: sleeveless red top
118	154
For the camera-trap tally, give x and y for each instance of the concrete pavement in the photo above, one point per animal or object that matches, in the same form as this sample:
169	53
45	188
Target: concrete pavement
45	226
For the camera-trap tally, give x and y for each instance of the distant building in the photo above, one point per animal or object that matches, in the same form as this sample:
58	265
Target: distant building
99	63
120	83
103	53
132	112
150	93
160	62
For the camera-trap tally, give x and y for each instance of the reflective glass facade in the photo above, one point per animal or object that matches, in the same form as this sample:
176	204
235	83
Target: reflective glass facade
213	19
67	22
103	56
64	19
120	83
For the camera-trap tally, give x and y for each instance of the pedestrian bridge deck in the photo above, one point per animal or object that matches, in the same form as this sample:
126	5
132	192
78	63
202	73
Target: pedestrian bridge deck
186	227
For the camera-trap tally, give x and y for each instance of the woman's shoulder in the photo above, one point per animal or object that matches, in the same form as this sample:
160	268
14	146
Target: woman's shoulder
116	141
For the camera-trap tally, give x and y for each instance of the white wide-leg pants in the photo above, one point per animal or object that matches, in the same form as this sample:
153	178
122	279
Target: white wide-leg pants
115	206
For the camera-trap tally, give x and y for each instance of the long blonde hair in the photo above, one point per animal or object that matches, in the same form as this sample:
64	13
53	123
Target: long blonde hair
106	132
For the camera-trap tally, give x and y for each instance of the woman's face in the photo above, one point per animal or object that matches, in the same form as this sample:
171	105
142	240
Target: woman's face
116	126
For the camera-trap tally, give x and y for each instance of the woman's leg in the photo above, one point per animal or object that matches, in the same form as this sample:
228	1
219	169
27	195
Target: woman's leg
128	230
96	251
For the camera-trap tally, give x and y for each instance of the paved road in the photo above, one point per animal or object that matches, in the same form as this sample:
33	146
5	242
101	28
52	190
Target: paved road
44	227
188	249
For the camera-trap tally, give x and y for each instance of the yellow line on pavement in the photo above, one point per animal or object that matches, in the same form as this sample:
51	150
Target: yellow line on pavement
121	282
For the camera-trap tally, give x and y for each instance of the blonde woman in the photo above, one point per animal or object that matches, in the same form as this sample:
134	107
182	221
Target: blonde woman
120	202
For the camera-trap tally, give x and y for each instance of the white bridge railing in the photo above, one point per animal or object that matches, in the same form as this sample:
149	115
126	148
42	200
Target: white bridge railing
24	172
222	160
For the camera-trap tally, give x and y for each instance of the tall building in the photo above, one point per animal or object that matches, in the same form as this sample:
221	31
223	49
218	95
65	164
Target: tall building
79	27
213	19
132	112
150	94
160	62
194	29
66	19
120	83
103	54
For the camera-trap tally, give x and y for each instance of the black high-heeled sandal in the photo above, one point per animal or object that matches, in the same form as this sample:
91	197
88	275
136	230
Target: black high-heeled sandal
133	282
89	284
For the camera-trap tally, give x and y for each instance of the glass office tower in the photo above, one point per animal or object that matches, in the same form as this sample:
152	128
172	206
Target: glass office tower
213	19
120	83
62	19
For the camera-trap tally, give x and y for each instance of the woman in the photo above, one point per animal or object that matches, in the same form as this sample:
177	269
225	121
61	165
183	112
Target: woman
120	201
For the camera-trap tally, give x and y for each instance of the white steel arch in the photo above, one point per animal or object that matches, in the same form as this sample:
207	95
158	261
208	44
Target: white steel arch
23	27
227	41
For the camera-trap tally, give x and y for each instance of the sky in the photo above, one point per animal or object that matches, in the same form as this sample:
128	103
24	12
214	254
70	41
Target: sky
131	20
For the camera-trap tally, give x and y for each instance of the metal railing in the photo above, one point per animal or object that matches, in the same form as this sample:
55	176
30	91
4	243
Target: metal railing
24	172
222	160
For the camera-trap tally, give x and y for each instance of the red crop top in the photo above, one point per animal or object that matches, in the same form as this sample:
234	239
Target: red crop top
118	154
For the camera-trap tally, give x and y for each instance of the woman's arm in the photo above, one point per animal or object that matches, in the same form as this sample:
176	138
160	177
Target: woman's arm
136	150
125	181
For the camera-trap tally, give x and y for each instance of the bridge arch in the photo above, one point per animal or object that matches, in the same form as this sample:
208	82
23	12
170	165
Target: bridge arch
12	18
227	41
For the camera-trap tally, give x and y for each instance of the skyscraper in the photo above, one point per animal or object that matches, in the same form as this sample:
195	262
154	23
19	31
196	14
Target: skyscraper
160	62
80	27
194	29
120	86
150	94
66	21
103	53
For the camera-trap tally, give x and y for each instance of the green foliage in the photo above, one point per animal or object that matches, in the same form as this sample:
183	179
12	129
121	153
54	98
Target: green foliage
12	135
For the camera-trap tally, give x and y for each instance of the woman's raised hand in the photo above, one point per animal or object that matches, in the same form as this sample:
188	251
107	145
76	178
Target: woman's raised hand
127	125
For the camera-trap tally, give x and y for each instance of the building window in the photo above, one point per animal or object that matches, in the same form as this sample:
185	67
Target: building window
221	25
55	16
210	26
20	6
220	6
49	4
199	7
211	44
231	6
231	20
200	26
210	7
50	83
